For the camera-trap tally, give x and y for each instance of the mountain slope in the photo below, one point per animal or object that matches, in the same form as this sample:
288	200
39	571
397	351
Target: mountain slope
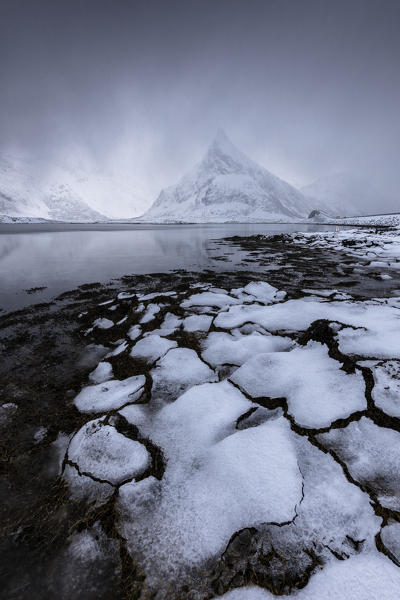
65	205
228	186
19	195
24	195
345	194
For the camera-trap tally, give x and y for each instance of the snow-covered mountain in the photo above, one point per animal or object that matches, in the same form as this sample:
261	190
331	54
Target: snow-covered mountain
24	195
19	195
228	186
345	194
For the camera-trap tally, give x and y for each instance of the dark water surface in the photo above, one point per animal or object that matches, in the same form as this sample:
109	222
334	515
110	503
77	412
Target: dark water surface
61	256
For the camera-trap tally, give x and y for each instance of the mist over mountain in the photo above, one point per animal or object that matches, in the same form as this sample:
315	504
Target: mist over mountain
73	191
23	194
228	186
347	194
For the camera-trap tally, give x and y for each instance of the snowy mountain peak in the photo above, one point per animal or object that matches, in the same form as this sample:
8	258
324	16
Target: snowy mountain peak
223	155
221	144
228	186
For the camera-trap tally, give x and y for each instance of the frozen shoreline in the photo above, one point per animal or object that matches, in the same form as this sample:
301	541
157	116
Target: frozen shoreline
210	382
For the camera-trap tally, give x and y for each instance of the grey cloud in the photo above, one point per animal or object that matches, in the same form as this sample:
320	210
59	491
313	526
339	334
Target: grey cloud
304	87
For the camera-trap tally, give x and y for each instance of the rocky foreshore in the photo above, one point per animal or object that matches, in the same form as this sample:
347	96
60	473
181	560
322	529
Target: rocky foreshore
195	436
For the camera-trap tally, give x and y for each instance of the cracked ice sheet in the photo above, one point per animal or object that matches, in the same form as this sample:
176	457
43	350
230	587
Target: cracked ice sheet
151	348
318	392
332	508
367	576
86	488
381	321
372	455
178	370
109	395
99	450
217	480
386	391
222	348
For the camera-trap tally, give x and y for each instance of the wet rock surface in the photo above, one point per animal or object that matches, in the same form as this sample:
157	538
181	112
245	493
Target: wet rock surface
187	435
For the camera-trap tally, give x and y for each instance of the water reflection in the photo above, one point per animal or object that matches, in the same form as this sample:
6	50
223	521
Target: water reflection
62	257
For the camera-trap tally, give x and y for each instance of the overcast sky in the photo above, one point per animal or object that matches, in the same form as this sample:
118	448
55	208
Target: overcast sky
305	87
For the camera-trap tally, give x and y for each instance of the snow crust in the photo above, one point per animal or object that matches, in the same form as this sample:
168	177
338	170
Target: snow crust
197	323
178	370
386	391
225	462
209	299
101	373
103	323
151	311
372	455
222	348
318	392
110	395
151	348
364	577
390	536
100	451
216	482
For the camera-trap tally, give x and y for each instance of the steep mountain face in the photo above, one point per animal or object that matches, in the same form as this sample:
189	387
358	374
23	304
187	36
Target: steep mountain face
19	195
345	194
65	205
228	186
24	195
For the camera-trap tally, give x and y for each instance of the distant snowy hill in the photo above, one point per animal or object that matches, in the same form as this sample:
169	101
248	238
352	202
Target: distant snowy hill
345	194
24	195
19	195
228	186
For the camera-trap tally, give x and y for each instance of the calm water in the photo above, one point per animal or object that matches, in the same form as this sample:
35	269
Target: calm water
61	257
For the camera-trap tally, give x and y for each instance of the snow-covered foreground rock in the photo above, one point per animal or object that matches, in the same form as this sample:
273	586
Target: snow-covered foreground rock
245	438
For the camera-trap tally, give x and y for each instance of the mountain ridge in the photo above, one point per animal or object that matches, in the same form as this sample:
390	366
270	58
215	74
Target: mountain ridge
227	185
